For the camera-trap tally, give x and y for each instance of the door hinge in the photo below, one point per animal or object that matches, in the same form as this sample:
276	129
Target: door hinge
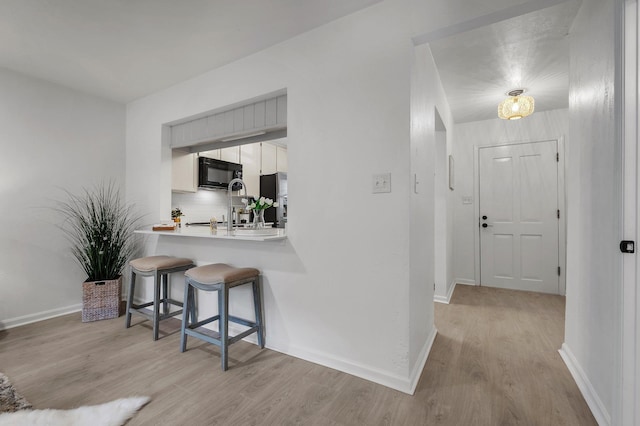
557	157
627	246
558	213
559	271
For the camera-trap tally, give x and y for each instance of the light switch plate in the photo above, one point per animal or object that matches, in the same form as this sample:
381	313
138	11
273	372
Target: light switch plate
467	199
381	183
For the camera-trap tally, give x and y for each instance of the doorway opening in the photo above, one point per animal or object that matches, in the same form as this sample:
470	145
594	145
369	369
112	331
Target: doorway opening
443	220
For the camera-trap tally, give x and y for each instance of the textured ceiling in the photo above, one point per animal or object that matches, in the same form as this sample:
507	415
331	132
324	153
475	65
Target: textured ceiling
125	49
530	51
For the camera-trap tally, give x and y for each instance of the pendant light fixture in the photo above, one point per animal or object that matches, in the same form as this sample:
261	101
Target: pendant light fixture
515	106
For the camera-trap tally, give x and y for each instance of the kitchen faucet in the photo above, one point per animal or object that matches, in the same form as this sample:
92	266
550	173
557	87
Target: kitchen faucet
230	202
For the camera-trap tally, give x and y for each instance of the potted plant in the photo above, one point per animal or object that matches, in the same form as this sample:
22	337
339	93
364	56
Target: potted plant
99	227
176	214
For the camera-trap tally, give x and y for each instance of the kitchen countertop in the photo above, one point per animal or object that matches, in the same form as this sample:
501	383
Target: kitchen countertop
221	233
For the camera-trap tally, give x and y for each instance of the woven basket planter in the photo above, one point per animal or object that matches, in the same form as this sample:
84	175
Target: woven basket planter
101	299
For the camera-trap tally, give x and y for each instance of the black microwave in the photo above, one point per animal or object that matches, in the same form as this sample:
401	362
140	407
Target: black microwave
216	174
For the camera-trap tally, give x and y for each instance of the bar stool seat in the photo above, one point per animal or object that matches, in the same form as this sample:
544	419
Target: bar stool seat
159	267
220	277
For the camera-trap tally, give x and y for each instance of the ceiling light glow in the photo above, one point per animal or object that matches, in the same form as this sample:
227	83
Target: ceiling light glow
516	106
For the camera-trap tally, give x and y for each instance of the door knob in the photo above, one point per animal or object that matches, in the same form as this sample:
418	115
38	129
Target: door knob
484	225
484	217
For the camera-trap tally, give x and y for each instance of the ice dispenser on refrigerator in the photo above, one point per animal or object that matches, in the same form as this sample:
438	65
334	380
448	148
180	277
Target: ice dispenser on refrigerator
274	186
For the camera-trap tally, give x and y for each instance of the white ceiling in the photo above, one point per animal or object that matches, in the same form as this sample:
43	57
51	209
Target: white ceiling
531	51
126	49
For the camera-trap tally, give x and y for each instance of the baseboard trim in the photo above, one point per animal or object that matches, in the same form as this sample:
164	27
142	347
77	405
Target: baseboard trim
446	299
589	394
422	360
39	316
465	281
384	378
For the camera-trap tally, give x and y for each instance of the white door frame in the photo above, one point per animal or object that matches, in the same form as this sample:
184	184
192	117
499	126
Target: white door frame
443	287
627	390
562	229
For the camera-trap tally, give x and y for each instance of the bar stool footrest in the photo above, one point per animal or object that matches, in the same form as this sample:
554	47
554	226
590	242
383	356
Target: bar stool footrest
242	321
142	306
148	313
207	335
203	322
242	335
212	336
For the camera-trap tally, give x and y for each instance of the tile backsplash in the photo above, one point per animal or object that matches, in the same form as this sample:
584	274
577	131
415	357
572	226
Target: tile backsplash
201	205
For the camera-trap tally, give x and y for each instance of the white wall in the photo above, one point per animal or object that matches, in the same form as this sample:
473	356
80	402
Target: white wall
427	94
593	232
337	292
52	139
537	127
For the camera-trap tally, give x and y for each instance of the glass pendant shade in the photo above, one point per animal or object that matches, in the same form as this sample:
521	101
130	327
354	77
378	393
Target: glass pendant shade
515	107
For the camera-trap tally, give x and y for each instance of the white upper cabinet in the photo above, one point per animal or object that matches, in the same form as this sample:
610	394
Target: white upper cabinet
274	158
184	171
250	158
214	153
281	159
231	154
269	163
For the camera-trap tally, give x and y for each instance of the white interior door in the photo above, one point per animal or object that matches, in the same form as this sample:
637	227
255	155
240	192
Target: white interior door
519	217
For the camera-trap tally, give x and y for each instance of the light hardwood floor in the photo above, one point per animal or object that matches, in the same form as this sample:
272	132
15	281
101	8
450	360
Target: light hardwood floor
494	362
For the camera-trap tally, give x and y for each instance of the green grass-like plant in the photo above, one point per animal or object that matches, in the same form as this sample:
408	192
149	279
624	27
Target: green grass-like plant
99	226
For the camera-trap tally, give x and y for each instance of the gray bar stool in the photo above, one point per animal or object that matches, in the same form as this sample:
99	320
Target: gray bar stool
220	277
158	267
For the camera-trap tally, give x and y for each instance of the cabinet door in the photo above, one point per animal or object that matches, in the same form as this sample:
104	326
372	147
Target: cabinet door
231	154
269	159
184	171
250	156
281	159
214	153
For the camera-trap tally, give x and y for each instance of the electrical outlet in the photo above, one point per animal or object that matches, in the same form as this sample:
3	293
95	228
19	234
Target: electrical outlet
381	183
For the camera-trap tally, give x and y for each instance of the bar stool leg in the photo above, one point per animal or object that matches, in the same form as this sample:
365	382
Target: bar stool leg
186	311
223	309
156	304
194	313
165	294
193	304
257	304
132	285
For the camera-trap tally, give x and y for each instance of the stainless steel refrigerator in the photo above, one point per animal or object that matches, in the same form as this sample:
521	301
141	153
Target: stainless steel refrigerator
275	187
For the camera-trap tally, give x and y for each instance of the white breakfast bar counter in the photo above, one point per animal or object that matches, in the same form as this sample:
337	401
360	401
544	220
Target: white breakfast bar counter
267	234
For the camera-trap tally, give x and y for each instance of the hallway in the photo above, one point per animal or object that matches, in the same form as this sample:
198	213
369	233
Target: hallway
495	361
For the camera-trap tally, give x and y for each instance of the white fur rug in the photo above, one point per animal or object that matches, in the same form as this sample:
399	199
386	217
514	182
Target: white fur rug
114	413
